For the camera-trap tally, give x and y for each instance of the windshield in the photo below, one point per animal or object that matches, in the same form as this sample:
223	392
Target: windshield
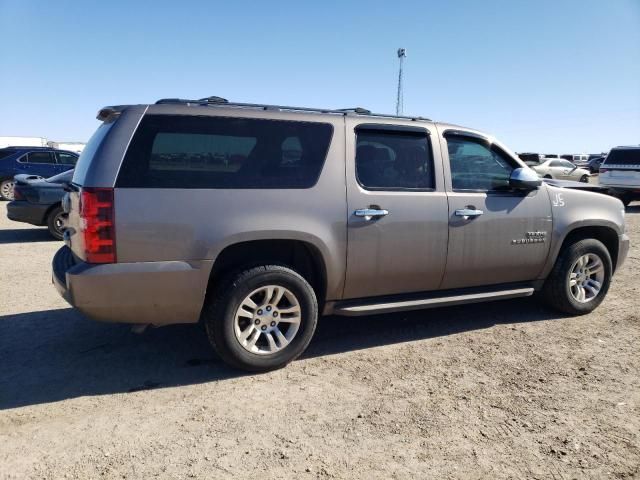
63	177
629	156
89	151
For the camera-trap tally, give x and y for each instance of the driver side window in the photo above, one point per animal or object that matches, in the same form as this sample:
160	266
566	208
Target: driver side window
476	166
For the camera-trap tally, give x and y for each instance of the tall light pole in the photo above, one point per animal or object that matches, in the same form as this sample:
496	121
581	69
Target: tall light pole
402	54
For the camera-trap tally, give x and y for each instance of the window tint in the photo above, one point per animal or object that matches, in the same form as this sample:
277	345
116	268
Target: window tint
476	166
393	160
40	157
66	158
565	164
556	163
623	157
173	151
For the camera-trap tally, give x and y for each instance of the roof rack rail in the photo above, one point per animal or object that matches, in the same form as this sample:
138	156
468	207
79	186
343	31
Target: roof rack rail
219	101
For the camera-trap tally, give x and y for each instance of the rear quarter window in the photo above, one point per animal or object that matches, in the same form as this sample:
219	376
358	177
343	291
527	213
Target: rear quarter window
86	157
176	151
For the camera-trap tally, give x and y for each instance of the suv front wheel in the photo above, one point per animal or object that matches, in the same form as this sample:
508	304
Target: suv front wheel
580	278
261	318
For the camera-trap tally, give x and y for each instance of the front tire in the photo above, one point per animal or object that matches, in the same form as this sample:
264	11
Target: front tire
580	278
262	318
6	189
584	179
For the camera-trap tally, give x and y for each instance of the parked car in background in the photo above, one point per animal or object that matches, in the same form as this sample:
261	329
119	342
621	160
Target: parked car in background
339	212
593	165
620	172
561	170
580	159
38	201
39	161
531	158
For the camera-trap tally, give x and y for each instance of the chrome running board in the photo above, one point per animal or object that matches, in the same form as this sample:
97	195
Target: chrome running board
352	309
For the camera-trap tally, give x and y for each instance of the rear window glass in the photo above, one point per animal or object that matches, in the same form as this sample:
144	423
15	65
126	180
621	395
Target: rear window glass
83	163
623	157
176	151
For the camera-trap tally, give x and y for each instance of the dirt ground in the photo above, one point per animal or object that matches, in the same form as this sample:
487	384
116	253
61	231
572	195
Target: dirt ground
502	390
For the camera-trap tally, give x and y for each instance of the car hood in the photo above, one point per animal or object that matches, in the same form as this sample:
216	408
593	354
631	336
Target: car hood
575	185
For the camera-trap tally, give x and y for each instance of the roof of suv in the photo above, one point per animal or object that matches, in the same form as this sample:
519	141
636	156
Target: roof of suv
106	112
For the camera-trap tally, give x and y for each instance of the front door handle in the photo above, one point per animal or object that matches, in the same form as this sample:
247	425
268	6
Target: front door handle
371	213
468	212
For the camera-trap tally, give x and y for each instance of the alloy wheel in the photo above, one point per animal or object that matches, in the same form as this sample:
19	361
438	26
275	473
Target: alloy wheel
267	320
6	189
586	277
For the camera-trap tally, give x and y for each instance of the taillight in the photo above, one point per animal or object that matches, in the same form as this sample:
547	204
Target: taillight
603	170
98	225
17	194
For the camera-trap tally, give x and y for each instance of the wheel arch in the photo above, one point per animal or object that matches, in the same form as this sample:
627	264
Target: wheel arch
607	235
302	256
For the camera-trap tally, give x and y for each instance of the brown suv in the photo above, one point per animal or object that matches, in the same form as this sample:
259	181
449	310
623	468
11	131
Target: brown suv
256	219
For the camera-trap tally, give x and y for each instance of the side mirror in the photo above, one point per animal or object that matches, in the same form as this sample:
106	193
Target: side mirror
524	179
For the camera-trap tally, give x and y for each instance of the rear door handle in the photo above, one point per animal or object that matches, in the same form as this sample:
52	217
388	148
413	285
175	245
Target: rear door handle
370	213
468	212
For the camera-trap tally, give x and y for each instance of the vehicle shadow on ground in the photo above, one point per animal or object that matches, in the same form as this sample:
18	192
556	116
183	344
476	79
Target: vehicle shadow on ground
55	355
22	235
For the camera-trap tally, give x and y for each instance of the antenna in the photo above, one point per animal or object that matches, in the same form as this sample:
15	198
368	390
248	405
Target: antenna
402	54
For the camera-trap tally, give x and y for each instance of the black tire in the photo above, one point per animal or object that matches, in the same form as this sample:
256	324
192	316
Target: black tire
219	316
556	291
584	179
548	176
52	219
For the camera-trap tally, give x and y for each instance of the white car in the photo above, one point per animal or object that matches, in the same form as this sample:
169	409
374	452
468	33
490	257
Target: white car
620	172
561	170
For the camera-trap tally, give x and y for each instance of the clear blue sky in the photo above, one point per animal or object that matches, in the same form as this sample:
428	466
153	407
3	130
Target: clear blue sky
554	76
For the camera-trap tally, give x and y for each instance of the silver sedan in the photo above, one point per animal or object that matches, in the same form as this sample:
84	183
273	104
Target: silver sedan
561	170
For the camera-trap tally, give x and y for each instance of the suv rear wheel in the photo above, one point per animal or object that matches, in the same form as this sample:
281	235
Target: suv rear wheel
261	318
580	278
6	189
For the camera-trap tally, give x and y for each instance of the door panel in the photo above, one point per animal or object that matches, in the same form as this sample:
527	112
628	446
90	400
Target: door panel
494	247
496	235
405	250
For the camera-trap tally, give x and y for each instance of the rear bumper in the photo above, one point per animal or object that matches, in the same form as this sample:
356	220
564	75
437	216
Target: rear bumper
23	211
158	293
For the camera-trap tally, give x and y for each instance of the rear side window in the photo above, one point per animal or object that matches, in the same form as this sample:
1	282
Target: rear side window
89	151
623	157
394	160
40	157
177	151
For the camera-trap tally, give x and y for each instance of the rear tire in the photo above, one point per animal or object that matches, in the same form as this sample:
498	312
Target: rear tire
262	318
576	288
6	189
55	222
548	176
584	179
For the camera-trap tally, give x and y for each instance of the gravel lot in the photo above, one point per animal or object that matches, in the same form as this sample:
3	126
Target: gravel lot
502	390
